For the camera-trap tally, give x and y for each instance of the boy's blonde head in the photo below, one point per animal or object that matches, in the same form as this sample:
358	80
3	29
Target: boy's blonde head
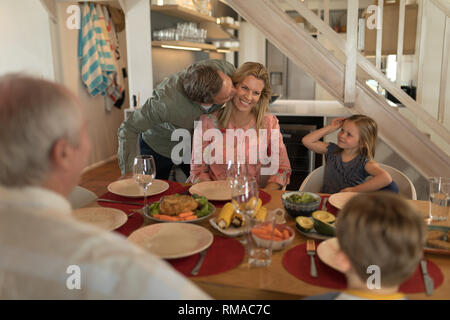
368	132
381	229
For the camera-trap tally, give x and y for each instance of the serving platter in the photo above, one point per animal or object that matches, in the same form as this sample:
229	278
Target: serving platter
437	250
211	212
172	240
230	231
130	188
312	234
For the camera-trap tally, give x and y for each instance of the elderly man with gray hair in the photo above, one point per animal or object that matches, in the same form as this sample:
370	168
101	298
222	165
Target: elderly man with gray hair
44	148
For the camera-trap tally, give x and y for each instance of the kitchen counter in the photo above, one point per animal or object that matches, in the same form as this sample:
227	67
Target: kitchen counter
309	108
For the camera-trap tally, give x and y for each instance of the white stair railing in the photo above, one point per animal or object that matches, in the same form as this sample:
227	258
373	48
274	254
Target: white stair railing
318	62
372	70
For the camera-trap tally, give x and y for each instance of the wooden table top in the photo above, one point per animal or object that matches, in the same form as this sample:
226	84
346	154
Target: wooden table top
275	282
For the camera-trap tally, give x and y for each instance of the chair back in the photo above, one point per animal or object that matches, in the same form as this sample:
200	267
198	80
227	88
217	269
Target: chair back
314	181
405	186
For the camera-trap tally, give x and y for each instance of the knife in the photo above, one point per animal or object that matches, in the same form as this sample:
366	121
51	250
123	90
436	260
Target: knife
311	251
121	202
429	283
197	267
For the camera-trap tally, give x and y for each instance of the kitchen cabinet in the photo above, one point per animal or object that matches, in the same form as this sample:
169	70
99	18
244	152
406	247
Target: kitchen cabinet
390	31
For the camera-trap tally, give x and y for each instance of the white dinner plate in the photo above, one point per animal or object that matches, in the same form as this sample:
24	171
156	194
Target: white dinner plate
338	200
327	252
212	190
172	240
103	218
130	188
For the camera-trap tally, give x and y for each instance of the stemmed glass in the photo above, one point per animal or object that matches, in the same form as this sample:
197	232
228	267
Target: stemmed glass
236	172
144	171
244	197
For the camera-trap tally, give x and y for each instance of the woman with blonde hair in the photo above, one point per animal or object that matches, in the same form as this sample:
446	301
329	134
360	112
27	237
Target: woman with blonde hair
243	131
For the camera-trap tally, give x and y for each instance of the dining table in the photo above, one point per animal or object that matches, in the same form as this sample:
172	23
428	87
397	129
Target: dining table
274	282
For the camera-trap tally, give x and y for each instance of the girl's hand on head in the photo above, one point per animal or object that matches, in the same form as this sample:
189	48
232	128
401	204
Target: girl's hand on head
337	123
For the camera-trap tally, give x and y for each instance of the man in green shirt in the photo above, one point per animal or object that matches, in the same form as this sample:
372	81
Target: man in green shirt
176	103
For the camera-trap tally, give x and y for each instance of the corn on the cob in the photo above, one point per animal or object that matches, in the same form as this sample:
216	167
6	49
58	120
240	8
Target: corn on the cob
251	203
224	218
260	215
237	220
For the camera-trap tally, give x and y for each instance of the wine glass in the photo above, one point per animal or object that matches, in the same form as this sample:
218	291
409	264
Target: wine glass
144	171
236	172
244	197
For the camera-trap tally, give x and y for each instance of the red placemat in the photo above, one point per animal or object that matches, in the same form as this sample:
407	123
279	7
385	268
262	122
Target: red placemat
265	198
297	263
133	223
224	254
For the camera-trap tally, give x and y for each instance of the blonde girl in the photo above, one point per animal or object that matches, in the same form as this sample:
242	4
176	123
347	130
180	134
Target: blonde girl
349	162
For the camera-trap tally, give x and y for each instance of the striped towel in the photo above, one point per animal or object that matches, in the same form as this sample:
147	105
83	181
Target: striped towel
97	62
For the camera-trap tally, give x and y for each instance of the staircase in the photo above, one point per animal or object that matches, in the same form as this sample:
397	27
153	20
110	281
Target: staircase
395	129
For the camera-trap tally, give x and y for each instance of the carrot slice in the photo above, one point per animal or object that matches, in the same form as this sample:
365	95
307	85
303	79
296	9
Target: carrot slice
167	218
185	214
286	234
277	233
192	217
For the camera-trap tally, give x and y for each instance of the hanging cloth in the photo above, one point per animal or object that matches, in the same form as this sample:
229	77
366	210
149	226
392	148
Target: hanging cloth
116	90
97	62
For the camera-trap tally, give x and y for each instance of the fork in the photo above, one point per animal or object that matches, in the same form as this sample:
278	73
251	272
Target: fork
311	251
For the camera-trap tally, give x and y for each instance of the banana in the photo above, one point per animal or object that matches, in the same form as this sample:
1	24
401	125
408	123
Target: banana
224	218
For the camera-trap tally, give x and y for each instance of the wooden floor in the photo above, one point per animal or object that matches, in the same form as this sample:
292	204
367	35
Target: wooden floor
94	179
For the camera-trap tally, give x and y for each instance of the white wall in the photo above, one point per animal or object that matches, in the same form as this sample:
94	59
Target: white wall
25	35
25	38
102	124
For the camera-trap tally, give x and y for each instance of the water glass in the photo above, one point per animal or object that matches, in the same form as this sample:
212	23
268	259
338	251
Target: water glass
260	241
236	172
245	195
144	171
439	198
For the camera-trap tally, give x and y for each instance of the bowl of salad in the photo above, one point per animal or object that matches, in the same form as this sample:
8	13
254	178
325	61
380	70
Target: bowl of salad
299	203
